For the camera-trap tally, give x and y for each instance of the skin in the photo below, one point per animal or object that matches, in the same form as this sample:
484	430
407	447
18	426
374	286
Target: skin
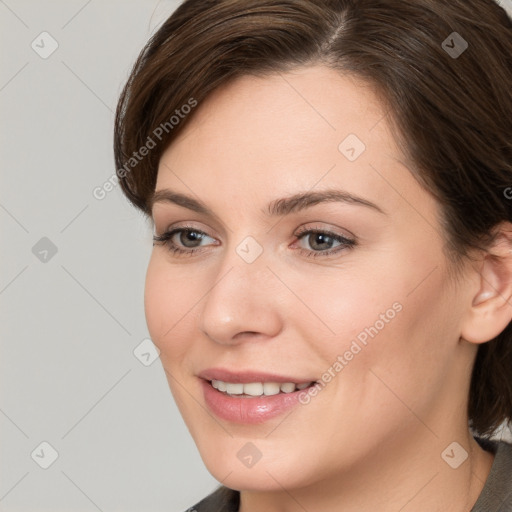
372	438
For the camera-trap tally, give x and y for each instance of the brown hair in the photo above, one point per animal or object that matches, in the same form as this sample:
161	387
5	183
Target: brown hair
450	114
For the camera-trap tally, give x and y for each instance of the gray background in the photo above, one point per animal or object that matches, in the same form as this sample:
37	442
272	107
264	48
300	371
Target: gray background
70	324
71	319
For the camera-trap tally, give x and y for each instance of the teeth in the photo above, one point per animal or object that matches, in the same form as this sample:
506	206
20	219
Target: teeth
287	387
253	389
258	388
271	388
234	389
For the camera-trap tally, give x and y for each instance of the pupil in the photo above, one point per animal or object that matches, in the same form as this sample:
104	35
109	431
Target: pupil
190	236
320	237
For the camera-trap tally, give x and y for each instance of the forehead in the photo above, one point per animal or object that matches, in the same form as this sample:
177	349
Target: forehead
272	135
298	106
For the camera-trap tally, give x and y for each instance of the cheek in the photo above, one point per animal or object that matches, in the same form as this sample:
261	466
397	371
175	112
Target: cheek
393	323
156	301
346	309
406	349
169	299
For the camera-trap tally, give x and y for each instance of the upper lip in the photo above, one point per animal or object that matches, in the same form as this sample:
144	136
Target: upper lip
248	376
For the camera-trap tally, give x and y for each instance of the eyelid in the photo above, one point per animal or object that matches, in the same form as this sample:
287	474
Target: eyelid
185	225
345	233
167	215
172	230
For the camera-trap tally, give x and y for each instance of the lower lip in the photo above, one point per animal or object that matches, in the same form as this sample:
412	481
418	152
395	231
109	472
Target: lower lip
248	410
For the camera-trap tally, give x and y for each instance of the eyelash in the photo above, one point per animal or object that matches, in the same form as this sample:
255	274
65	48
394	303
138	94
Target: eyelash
166	240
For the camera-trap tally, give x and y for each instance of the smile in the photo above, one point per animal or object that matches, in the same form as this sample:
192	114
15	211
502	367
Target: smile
251	402
255	389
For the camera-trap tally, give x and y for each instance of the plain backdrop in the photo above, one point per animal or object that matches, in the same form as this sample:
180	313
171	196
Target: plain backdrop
72	276
87	424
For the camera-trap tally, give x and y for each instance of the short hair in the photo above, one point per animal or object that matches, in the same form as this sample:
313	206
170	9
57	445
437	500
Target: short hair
443	70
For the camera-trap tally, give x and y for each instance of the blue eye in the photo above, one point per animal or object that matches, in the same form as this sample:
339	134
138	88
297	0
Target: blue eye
189	241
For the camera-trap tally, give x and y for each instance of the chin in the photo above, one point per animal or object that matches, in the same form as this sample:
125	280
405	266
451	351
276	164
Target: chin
236	465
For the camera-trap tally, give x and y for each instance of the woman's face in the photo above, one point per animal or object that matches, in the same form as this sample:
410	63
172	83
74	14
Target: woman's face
363	306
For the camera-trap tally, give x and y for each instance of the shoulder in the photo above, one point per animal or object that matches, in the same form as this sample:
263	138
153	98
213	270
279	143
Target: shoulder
497	492
220	500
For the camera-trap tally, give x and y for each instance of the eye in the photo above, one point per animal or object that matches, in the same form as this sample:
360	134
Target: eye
321	242
186	240
186	236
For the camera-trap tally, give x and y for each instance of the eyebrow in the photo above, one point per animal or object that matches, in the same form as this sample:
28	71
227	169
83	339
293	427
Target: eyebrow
278	207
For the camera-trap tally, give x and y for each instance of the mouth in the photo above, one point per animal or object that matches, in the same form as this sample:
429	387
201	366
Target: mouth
251	401
258	389
252	396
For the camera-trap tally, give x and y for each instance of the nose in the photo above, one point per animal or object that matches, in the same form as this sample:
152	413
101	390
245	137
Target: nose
243	302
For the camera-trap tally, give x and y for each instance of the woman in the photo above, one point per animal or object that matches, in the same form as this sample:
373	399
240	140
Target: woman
331	281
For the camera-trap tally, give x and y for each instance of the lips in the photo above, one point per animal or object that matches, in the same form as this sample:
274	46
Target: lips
248	376
246	409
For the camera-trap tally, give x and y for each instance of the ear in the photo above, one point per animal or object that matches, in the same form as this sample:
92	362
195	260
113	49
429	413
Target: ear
491	308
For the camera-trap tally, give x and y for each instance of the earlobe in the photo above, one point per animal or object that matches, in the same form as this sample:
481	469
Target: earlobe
491	307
